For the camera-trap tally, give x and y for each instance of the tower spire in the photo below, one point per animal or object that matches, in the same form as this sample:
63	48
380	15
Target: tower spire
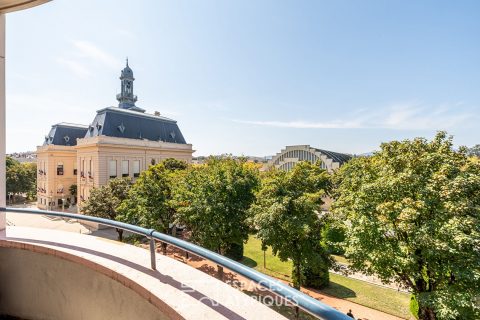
126	98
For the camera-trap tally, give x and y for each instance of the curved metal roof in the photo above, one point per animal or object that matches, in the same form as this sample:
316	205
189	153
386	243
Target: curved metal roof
337	157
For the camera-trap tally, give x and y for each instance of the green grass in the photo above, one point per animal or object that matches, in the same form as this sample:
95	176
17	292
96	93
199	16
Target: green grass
361	292
340	259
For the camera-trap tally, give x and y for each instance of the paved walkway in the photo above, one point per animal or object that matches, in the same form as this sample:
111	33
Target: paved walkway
342	305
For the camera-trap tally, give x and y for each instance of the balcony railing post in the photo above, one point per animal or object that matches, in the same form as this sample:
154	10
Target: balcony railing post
153	260
305	302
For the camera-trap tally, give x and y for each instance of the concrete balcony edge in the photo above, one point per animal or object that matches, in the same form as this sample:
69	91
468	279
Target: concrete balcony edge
175	289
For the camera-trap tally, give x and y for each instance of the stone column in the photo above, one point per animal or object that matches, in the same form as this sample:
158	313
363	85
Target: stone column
2	123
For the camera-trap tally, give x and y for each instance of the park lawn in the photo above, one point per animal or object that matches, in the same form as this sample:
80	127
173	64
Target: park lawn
340	259
361	292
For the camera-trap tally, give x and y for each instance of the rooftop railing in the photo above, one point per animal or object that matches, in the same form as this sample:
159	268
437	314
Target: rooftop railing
293	296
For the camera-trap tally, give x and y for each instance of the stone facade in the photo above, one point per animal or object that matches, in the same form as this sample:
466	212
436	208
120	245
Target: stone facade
120	142
56	172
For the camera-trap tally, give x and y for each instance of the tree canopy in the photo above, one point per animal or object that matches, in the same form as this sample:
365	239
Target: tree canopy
286	215
412	215
149	200
104	201
213	201
21	177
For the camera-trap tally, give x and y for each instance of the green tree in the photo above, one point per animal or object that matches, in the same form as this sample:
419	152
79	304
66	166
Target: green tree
173	164
149	200
104	201
73	189
213	201
30	182
21	178
9	162
286	215
412	214
333	235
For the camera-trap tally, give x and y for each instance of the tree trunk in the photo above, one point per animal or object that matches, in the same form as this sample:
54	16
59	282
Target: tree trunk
120	234
220	272
426	313
297	283
164	248
264	259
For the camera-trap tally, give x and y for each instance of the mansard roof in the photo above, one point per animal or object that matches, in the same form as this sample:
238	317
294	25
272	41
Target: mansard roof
123	123
65	134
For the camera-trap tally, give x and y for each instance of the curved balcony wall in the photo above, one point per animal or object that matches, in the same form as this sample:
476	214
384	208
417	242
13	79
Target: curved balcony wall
42	286
51	274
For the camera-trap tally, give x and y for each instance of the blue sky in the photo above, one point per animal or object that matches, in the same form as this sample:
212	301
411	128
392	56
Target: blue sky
249	77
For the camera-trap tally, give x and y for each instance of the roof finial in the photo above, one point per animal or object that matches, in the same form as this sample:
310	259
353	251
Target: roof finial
127	61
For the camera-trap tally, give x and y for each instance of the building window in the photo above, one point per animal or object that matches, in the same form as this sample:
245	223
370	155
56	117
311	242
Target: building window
74	168
90	172
125	168
112	168
82	169
60	169
136	168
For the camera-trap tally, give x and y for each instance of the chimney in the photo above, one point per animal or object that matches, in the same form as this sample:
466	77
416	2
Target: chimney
156	113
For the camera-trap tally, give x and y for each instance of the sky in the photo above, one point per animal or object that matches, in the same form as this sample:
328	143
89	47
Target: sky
250	77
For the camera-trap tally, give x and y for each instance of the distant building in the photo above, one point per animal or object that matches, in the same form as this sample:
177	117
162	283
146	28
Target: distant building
120	142
287	158
27	156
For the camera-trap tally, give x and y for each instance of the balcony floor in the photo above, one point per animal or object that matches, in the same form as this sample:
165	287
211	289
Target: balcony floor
176	289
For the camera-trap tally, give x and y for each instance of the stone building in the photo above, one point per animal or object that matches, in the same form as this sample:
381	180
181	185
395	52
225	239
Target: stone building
120	142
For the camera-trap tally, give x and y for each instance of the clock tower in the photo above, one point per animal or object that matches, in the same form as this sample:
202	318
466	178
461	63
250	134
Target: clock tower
126	98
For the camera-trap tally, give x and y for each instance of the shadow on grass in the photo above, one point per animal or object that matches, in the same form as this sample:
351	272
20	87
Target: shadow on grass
337	290
248	262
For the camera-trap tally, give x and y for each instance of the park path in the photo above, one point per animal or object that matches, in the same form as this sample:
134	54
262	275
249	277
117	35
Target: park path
359	311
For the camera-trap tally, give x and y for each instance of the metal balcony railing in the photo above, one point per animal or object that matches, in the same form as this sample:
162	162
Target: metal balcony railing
300	299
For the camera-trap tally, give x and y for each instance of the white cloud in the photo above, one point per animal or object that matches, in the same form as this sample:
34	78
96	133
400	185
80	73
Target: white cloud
89	50
76	67
305	124
86	58
408	116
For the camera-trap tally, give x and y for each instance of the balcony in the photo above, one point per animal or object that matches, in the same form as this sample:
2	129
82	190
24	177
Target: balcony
71	273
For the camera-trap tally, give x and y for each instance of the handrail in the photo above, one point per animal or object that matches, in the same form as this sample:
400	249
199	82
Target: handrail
302	300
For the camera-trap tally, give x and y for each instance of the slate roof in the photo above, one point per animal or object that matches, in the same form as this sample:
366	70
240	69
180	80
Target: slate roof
122	123
65	134
337	157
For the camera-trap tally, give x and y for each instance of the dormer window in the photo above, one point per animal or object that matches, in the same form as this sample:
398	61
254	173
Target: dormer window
121	128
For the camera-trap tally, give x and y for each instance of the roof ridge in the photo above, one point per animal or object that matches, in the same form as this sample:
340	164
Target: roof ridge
136	113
